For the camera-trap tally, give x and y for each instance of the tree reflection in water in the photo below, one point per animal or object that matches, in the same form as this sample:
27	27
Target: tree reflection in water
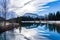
53	27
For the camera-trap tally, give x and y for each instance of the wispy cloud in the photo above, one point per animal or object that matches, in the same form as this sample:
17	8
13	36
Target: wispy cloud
23	6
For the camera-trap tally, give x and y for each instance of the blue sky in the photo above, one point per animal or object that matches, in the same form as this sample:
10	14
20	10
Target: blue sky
40	7
53	7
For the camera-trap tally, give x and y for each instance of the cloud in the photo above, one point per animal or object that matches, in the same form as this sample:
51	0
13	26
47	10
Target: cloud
23	6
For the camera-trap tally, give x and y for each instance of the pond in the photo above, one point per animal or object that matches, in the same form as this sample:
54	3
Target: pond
29	31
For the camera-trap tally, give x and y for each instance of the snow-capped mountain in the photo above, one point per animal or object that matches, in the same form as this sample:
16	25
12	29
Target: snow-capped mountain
33	15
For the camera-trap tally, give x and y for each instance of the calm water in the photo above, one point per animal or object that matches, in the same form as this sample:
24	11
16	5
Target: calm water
32	32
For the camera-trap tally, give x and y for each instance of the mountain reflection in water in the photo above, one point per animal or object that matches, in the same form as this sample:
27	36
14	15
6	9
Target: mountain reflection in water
29	31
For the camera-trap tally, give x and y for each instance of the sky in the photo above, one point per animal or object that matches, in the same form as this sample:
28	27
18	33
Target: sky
39	7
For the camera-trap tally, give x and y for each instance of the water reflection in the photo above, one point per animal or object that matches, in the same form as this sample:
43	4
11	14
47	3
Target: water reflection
53	27
31	31
30	25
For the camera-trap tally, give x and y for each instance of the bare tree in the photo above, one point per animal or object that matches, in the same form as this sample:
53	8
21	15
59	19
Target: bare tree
3	9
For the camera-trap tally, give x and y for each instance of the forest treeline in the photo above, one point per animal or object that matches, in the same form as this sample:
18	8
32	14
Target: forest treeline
54	16
50	16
